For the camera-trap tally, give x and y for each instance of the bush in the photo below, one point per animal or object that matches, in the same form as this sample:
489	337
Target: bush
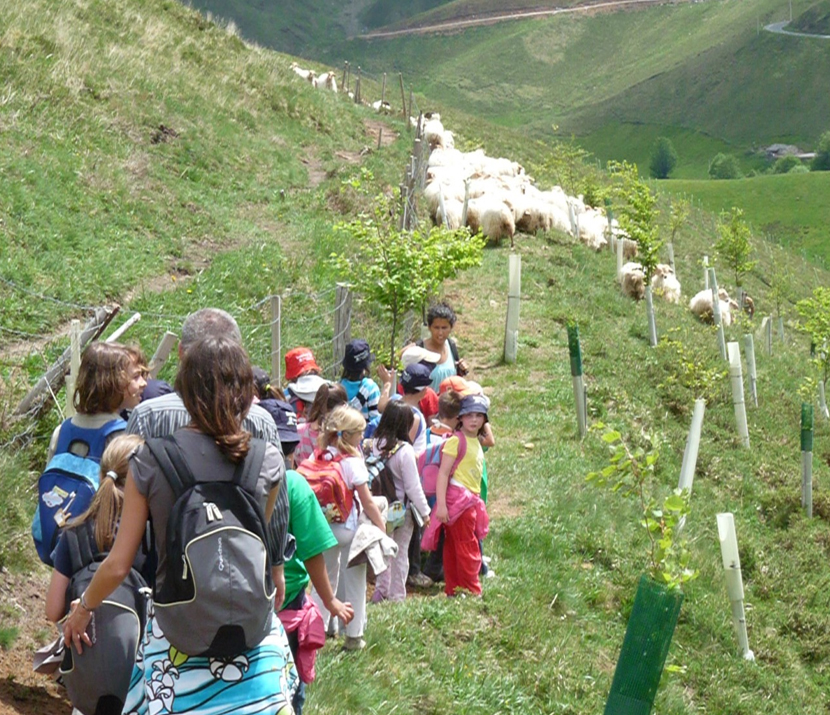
724	166
786	164
663	158
800	169
821	161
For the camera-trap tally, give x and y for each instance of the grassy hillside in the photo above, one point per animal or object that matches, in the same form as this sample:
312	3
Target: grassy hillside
815	20
147	151
792	210
691	68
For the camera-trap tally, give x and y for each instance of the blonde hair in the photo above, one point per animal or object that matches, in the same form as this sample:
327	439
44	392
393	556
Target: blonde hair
106	506
337	424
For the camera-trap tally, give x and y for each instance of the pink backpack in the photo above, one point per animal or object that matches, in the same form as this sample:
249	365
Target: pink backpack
429	462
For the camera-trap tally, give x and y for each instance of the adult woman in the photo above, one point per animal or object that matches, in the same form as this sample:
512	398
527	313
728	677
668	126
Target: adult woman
440	321
215	382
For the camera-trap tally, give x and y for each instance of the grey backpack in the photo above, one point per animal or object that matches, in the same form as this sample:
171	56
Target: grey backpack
217	597
116	629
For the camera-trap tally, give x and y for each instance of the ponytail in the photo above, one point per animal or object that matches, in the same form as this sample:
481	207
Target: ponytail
106	506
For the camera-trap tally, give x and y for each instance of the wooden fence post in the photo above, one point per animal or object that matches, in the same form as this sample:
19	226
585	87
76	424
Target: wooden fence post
74	366
342	322
40	395
575	351
403	96
383	91
168	340
807	458
276	339
124	328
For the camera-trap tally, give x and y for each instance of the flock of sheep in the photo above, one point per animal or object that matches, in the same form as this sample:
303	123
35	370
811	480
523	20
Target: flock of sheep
497	196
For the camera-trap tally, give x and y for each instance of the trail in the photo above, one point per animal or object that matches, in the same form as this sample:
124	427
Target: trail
778	29
494	19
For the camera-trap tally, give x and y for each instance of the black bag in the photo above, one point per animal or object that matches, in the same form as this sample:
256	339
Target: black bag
217	597
381	479
98	679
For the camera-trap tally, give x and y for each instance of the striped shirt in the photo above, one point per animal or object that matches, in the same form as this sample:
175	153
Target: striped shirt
163	415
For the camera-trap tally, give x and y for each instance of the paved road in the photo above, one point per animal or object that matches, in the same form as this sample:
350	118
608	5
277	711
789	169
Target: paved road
778	29
493	19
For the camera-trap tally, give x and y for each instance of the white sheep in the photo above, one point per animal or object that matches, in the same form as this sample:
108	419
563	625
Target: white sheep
307	75
452	209
633	281
325	81
665	284
382	107
434	133
701	306
497	221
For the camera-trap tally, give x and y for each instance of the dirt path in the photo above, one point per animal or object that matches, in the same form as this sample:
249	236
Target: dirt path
505	17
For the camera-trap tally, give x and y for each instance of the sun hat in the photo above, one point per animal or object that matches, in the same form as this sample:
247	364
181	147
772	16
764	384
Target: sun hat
474	404
416	377
358	356
415	354
456	383
306	387
285	419
298	362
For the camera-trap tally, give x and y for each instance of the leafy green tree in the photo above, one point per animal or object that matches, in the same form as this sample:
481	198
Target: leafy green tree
734	246
821	161
786	164
663	158
399	270
815	320
724	166
678	216
638	214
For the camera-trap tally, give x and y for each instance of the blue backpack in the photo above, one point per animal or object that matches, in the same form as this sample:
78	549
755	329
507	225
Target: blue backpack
69	482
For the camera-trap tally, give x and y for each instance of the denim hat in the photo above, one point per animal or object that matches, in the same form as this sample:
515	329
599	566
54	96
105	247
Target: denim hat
416	376
286	420
474	403
358	356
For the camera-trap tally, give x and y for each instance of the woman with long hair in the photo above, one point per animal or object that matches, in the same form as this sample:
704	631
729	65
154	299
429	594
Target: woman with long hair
216	384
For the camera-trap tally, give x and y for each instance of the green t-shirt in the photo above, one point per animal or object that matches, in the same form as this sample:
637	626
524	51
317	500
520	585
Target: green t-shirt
310	529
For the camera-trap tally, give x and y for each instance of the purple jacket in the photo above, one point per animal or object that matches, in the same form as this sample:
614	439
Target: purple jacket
459	500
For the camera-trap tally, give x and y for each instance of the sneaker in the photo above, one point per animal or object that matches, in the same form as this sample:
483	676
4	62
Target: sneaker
419	580
354	643
490	574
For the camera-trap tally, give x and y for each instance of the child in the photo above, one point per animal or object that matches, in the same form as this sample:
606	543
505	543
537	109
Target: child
304	378
340	437
99	522
111	378
328	397
393	430
414	380
428	403
458	505
362	391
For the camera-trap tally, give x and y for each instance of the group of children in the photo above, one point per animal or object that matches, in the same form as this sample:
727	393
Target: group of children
324	428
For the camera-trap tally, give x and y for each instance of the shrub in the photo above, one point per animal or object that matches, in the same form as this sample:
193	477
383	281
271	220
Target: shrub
786	164
821	161
724	166
663	158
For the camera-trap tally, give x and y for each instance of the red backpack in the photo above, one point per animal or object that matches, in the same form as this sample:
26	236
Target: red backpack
429	462
324	473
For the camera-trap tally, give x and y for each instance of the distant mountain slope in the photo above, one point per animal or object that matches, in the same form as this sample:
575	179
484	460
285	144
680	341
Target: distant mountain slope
701	67
814	20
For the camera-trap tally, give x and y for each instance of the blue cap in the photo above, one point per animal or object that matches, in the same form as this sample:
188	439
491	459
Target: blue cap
358	356
416	376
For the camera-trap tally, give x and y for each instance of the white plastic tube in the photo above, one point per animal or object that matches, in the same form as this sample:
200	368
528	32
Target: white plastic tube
620	246
736	376
706	273
652	323
716	316
734	581
749	348
687	469
822	400
511	333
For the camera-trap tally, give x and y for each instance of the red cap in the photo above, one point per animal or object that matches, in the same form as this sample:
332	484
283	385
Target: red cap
299	361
